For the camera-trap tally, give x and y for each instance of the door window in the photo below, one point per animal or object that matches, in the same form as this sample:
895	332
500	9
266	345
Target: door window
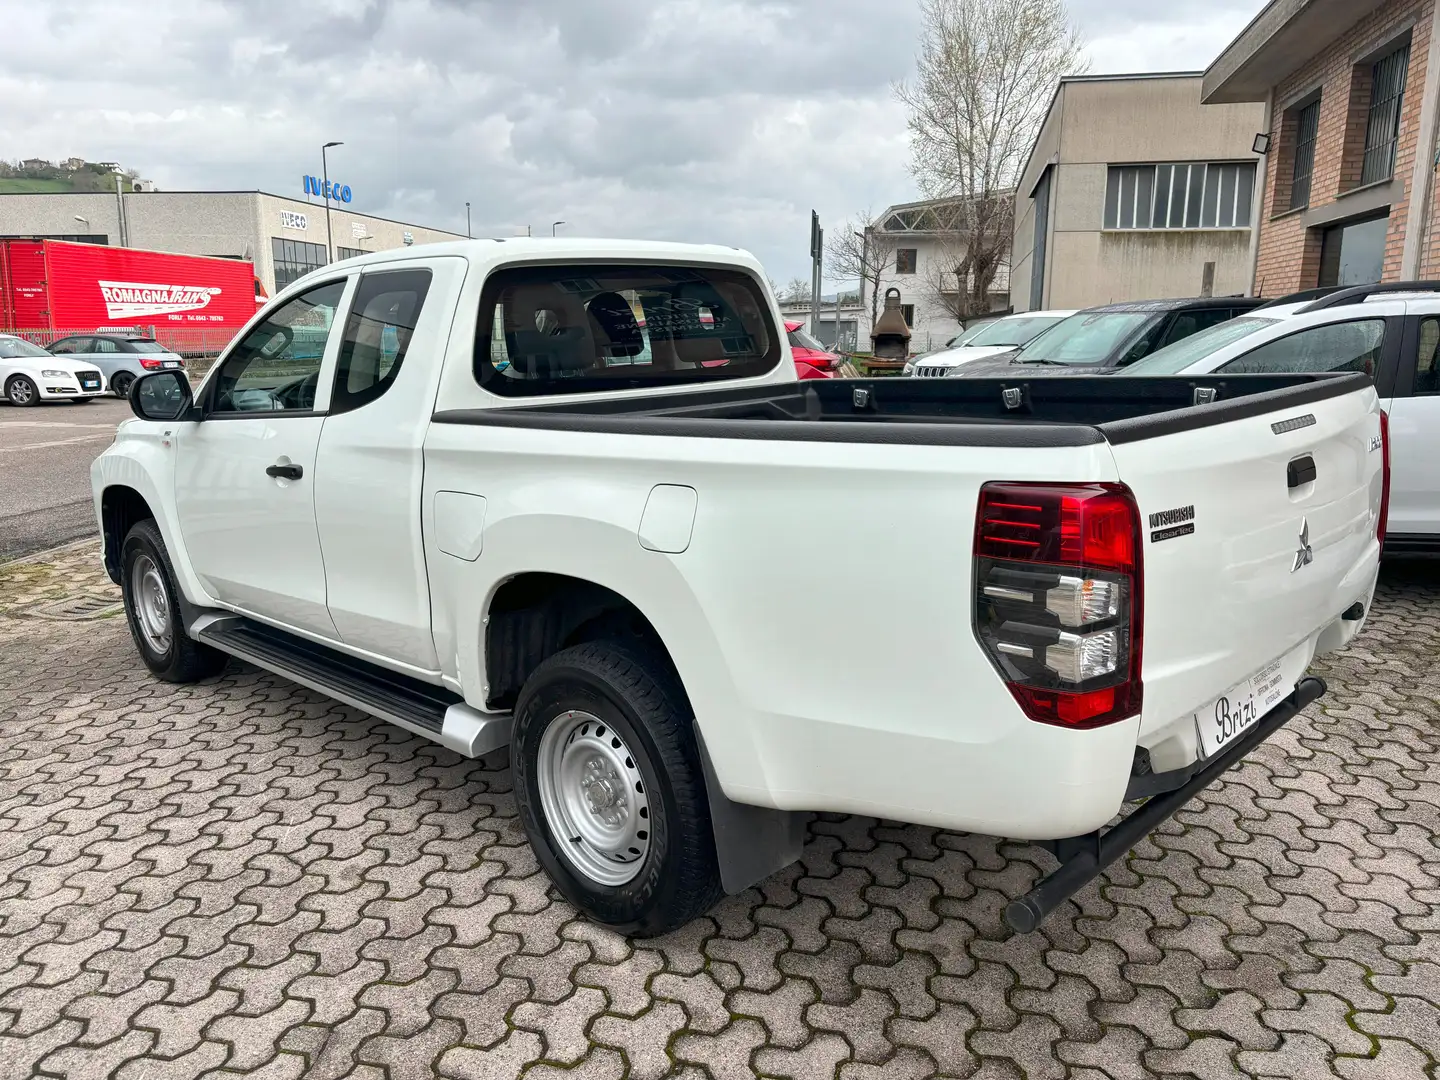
1427	374
103	345
1192	322
277	366
1341	346
377	335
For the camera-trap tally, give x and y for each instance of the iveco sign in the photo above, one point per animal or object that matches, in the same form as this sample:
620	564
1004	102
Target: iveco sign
327	189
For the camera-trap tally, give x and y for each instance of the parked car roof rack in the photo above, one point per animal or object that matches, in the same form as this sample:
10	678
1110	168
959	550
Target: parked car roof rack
1360	293
1302	296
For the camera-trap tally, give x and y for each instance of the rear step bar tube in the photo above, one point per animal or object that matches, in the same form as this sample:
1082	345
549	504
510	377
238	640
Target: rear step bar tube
1083	858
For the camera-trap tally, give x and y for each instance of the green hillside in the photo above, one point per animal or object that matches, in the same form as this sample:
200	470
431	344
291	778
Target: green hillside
24	185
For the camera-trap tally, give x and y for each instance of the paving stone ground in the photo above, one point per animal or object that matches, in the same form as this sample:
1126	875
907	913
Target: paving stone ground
243	878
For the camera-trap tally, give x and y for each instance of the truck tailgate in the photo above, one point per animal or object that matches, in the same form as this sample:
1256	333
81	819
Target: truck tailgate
1259	533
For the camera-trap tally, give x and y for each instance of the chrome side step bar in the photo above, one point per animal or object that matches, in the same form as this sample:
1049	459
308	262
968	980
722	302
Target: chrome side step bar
416	706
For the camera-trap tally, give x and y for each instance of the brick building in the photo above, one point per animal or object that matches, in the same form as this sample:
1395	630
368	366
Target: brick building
1350	90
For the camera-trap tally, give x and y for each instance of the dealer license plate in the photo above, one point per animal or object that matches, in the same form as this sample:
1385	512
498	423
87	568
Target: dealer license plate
170	363
1241	707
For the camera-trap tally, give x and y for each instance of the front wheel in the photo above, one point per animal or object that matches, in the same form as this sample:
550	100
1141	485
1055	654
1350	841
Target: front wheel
121	384
610	789
22	392
147	582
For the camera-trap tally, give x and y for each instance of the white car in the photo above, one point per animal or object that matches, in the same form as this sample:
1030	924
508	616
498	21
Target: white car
30	375
990	339
1390	333
415	482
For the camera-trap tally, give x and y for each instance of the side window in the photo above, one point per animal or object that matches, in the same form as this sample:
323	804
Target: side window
1142	348
1192	322
1341	346
103	345
377	335
1427	373
277	366
64	347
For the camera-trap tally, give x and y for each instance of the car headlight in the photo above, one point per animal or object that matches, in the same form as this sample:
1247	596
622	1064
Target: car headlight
50	373
909	368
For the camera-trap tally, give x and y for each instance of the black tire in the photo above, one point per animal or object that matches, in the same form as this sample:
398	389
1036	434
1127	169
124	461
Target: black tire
22	391
636	693
121	384
184	660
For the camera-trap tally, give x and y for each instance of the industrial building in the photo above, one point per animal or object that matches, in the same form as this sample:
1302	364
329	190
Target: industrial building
283	237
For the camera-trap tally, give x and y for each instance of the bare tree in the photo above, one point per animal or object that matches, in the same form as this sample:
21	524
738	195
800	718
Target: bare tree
986	70
797	291
862	251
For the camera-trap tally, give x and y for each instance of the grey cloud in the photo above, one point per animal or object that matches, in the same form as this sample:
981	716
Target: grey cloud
714	120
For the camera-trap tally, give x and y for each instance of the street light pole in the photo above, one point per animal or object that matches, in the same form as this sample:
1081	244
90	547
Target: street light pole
467	221
554	226
325	175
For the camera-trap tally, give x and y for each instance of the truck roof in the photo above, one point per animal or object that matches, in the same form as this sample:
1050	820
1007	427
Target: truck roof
535	249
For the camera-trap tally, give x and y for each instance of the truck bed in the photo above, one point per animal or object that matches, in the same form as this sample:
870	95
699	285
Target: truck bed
948	412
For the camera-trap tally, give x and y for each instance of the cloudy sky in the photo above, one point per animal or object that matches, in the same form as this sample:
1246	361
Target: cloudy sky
707	120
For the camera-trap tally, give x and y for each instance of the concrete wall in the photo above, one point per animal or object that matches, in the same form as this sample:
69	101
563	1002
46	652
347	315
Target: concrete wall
54	215
1092	125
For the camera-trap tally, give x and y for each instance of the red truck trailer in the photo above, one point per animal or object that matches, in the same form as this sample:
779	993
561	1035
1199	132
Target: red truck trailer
193	304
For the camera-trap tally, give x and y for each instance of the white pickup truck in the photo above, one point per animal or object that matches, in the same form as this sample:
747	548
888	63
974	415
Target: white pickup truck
570	498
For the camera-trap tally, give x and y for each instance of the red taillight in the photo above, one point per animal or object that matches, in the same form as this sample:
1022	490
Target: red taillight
1058	598
1384	477
150	365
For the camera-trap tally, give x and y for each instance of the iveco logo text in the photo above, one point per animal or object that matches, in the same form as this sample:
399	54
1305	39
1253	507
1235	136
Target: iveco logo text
133	299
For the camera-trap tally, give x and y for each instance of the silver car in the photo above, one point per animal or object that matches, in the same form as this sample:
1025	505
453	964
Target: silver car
121	357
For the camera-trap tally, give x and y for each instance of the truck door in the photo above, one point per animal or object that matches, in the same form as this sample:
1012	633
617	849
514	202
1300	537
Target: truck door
1415	439
370	470
245	474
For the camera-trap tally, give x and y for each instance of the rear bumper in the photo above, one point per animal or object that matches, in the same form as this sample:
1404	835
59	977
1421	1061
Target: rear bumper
1083	858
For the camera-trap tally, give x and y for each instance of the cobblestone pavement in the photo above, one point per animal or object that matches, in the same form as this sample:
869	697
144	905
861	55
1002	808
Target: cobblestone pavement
244	878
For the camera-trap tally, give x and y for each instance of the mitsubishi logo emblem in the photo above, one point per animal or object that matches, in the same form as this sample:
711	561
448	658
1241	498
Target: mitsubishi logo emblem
1306	555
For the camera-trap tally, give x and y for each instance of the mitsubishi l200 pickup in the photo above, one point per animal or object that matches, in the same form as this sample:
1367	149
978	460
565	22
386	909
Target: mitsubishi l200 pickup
548	495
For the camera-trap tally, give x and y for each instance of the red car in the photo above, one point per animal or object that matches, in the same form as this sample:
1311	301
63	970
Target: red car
812	361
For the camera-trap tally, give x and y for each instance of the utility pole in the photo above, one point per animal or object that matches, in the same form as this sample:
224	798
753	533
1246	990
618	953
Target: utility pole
325	175
817	253
467	222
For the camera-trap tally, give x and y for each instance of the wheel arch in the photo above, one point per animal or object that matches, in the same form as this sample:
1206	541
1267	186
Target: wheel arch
121	507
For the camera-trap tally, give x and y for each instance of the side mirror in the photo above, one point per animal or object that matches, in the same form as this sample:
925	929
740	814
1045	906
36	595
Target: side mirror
161	395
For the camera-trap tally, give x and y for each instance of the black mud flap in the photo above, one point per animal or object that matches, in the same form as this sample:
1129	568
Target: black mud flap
752	842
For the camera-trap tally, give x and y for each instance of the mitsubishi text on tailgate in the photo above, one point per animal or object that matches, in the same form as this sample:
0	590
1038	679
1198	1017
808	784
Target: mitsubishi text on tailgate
548	495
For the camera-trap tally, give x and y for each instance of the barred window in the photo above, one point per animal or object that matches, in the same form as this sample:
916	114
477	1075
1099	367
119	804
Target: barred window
1382	130
1307	128
1186	195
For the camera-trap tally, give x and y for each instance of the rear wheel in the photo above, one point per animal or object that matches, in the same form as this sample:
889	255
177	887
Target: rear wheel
610	790
121	384
21	391
147	581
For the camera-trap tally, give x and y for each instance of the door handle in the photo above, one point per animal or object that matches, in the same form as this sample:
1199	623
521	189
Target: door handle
1300	472
285	472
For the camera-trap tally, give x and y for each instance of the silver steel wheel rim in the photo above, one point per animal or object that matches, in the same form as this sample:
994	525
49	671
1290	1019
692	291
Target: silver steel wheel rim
152	604
593	798
20	392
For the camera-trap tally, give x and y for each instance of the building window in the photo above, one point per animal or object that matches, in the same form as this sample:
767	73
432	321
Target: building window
905	259
1382	129
1307	127
1197	195
907	311
348	253
1353	252
294	259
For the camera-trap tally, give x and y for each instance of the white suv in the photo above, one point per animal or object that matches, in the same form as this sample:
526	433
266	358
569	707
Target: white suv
30	375
1391	332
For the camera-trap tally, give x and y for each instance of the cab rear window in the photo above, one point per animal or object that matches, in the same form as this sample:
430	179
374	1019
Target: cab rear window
583	327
